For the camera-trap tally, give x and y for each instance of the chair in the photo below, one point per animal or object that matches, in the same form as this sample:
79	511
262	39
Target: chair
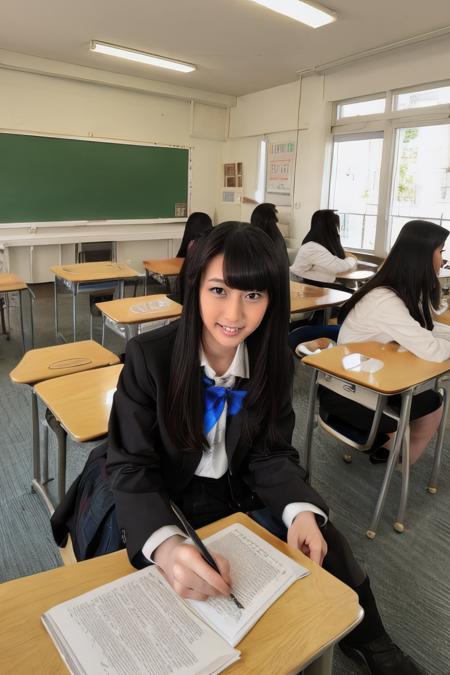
364	441
97	251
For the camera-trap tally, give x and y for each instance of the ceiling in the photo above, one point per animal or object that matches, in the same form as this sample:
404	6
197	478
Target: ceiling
238	46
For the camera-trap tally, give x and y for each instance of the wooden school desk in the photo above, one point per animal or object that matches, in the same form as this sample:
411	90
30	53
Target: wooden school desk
47	363
355	278
402	373
132	312
307	298
298	631
165	268
10	283
80	404
81	277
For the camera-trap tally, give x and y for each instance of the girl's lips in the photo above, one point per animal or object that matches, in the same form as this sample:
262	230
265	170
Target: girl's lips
229	330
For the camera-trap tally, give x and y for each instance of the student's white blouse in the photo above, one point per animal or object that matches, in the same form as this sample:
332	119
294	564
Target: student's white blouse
214	461
314	261
381	316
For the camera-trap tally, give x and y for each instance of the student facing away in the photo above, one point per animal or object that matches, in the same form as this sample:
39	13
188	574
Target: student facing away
321	256
203	416
396	305
197	225
265	216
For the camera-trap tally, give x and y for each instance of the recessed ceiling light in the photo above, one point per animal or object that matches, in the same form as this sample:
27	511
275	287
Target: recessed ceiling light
312	15
140	57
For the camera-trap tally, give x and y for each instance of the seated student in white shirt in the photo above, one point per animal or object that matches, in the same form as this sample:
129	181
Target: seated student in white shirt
396	305
321	256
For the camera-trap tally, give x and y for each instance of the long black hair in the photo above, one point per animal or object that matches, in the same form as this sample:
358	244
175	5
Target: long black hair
265	216
197	225
251	262
409	271
325	226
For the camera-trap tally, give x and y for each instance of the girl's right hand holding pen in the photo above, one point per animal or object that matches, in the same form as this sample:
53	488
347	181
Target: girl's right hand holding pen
188	573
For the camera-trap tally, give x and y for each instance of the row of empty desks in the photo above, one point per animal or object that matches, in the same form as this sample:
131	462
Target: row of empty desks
76	381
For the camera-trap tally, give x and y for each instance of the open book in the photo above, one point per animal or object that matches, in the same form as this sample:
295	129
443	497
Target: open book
138	624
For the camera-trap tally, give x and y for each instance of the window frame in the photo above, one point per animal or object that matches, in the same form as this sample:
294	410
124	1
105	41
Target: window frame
387	124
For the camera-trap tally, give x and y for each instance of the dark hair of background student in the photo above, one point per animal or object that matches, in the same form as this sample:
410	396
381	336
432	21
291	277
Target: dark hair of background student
197	225
251	262
325	226
409	272
265	216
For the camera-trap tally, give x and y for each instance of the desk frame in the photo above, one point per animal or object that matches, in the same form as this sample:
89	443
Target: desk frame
6	304
436	383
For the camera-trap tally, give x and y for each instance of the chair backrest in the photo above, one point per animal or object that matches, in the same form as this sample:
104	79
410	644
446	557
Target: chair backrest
95	251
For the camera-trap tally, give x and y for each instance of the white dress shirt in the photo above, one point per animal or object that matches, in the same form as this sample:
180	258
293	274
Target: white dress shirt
314	261
381	316
214	461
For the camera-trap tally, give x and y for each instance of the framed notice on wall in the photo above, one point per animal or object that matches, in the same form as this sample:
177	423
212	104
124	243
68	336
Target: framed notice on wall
280	171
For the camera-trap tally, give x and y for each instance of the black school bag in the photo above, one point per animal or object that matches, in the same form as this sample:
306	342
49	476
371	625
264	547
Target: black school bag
88	512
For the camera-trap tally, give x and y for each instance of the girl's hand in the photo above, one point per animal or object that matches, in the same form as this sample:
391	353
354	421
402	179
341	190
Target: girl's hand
304	535
188	573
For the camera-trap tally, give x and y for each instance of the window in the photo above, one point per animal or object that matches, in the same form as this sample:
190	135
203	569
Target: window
422	98
372	106
354	187
421	177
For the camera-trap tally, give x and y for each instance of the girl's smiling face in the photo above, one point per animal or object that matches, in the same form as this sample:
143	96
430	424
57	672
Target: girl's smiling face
229	315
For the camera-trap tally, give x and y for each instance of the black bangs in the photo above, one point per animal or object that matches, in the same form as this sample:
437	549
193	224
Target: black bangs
250	263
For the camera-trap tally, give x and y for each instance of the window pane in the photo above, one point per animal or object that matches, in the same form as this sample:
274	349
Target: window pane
351	109
422	99
355	179
421	186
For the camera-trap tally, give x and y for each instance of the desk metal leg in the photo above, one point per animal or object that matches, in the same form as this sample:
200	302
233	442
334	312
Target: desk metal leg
121	288
323	665
310	423
131	330
36	437
103	329
55	285
392	461
326	315
36	483
61	460
432	483
31	317
21	321
74	312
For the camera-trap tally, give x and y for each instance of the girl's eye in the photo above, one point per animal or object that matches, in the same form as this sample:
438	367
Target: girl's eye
255	295
217	290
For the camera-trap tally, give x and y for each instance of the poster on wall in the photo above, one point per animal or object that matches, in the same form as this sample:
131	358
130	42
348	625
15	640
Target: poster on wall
280	170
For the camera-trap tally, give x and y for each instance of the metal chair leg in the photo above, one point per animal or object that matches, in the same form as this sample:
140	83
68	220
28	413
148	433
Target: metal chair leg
432	483
399	524
392	461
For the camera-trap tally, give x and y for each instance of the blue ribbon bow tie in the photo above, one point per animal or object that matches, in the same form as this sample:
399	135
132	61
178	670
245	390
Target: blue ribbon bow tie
214	400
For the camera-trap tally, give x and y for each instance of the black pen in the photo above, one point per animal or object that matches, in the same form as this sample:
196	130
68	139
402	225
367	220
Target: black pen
200	546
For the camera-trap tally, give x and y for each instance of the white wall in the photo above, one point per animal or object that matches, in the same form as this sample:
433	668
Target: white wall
55	105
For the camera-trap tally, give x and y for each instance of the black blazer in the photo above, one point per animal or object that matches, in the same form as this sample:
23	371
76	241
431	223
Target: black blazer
145	468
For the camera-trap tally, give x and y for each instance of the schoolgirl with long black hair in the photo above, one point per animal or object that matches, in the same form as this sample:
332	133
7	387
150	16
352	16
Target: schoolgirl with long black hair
321	256
203	416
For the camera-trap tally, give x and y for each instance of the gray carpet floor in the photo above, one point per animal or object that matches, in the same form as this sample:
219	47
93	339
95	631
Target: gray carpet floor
410	573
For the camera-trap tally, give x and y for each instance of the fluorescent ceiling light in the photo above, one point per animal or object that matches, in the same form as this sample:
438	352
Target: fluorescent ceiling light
312	15
140	57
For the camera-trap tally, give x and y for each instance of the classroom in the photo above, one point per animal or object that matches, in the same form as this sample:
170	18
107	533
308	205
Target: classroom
351	116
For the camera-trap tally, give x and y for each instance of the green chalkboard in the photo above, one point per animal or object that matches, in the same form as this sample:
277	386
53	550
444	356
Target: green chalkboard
55	179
